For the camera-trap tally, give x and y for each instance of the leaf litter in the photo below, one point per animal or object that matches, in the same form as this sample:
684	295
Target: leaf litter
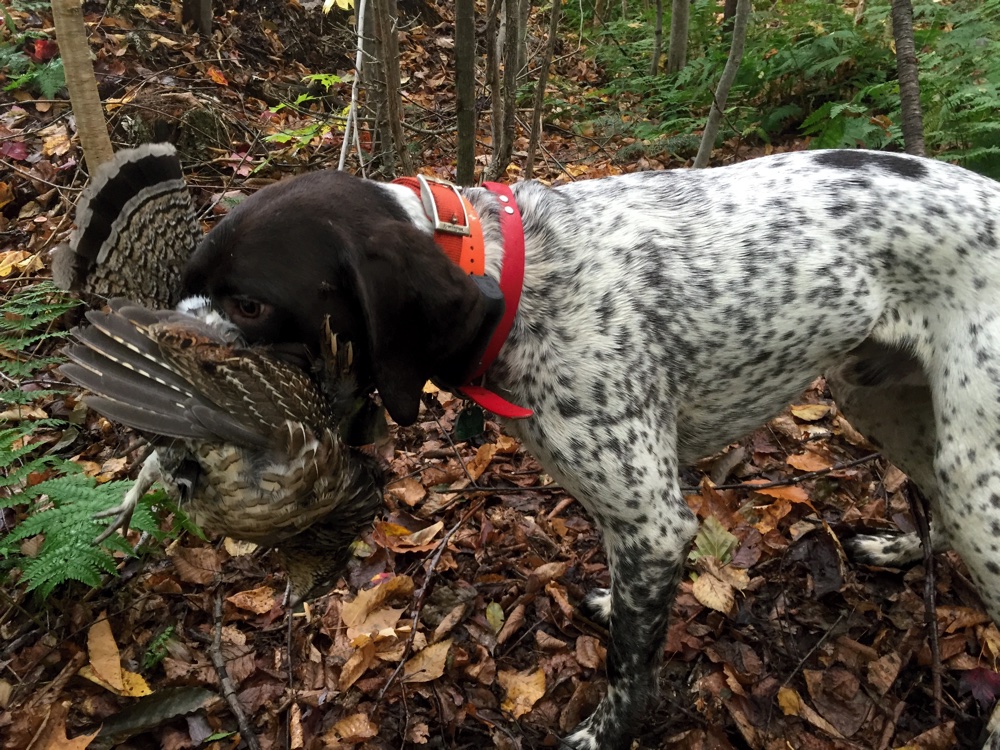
457	625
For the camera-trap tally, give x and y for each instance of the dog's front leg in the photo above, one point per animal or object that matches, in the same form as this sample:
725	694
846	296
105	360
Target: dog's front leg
646	553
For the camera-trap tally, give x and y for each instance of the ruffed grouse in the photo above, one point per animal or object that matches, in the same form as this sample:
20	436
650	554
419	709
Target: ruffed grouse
250	440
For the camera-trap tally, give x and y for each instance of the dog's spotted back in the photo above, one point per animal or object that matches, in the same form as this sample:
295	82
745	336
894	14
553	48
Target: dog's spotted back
665	314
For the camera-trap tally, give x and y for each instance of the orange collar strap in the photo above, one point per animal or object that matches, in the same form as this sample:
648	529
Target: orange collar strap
459	234
457	230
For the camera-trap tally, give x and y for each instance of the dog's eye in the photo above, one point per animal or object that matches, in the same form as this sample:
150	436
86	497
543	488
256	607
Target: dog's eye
249	308
241	309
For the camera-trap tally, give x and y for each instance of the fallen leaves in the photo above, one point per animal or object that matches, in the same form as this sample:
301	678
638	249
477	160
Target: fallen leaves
522	690
428	664
105	668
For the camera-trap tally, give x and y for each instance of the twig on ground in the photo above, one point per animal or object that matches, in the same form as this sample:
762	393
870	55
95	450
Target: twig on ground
228	688
792	480
918	507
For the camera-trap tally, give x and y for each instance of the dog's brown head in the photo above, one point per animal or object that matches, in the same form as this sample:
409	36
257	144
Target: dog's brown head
331	244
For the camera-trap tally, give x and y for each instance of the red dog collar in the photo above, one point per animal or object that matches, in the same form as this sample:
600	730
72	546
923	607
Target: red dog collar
458	233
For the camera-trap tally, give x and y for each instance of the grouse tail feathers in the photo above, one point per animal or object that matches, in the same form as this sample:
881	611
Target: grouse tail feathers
136	226
175	375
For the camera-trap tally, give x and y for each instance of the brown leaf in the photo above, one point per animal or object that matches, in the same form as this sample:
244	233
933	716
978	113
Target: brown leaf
429	664
809	461
483	458
791	704
356	728
105	659
196	565
407	541
714	593
514	623
589	652
259	600
522	690
52	734
408	491
941	737
357	665
882	672
355	612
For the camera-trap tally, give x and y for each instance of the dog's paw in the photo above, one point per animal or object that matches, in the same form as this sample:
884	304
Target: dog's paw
596	606
888	551
581	739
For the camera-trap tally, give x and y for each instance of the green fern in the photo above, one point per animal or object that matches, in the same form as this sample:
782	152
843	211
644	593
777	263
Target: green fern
26	328
63	513
54	499
158	648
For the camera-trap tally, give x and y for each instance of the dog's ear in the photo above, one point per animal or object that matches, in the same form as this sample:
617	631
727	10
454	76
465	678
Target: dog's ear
421	314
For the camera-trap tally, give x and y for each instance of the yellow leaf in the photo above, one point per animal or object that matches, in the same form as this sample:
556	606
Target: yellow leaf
523	690
10	260
810	412
494	616
236	548
429	664
134	685
18	413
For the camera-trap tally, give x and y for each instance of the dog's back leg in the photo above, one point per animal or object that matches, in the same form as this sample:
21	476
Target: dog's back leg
884	392
647	530
964	374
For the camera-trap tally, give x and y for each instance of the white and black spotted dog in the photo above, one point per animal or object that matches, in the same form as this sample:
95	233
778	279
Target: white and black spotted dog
663	315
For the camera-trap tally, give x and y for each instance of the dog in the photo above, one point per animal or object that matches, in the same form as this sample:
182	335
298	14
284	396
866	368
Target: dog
662	316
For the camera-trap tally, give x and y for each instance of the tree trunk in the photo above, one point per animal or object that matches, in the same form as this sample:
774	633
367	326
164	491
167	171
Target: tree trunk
373	81
600	8
728	14
504	96
909	79
654	66
725	82
71	32
387	38
465	89
543	77
523	8
198	12
677	53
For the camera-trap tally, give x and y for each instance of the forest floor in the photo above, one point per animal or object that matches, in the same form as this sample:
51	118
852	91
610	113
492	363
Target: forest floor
781	642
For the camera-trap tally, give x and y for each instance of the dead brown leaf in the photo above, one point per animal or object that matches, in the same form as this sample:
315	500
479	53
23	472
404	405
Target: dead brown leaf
522	690
259	600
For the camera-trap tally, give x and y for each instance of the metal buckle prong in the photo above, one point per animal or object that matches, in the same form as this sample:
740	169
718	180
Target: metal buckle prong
431	208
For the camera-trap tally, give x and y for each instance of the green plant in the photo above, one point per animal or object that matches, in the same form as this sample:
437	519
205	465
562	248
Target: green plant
55	501
809	69
302	136
157	649
27	57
